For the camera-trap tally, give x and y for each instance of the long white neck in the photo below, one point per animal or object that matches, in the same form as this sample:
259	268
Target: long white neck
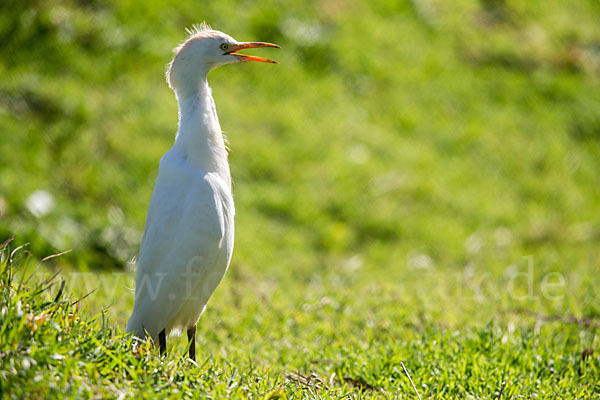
199	137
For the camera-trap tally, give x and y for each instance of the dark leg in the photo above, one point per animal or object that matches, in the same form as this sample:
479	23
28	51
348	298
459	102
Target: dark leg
191	332
162	342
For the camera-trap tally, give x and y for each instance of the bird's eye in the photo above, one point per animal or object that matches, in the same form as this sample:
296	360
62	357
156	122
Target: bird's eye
224	46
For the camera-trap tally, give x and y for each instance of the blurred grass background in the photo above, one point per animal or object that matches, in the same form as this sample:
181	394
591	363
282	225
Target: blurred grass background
391	128
395	135
393	176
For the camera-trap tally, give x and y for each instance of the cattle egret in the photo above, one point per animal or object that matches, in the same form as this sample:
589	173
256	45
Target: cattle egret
188	239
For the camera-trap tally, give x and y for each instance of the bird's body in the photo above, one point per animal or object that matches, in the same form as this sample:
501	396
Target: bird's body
188	239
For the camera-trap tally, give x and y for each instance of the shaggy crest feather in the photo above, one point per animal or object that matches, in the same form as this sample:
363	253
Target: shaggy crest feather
198	28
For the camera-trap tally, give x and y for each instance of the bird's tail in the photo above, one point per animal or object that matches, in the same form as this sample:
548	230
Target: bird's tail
136	328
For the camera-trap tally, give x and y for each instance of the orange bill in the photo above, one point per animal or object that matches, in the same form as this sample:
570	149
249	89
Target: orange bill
251	45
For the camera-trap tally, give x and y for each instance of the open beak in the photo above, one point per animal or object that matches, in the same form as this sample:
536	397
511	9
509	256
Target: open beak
251	45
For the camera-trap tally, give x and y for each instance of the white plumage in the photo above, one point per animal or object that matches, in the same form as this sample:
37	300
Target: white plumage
188	239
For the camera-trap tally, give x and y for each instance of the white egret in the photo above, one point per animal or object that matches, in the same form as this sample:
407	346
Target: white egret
188	239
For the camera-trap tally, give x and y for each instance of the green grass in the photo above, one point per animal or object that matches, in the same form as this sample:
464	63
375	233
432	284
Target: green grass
417	182
346	339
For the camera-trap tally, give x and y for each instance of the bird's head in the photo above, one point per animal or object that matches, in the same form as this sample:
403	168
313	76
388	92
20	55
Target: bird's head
204	50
